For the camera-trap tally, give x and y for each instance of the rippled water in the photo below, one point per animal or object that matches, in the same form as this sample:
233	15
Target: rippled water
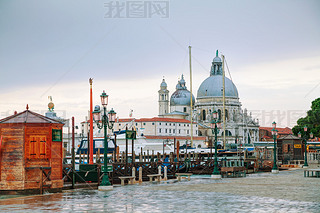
155	198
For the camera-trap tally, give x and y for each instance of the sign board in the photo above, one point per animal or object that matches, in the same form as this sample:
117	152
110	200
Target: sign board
56	135
297	146
109	168
131	134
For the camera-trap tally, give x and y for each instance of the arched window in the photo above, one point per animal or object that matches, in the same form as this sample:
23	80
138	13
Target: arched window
226	113
228	133
203	115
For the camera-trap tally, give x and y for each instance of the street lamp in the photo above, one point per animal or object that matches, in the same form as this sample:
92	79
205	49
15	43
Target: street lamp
106	122
305	138
274	133
215	124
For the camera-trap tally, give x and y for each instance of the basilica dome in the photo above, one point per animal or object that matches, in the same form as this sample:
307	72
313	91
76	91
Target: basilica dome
212	87
181	97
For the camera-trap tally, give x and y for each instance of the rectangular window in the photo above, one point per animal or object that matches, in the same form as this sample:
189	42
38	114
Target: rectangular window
37	147
169	130
166	124
184	109
179	131
173	131
159	130
187	131
166	131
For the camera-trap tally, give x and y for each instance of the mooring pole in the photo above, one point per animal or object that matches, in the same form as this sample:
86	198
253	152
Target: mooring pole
73	157
132	147
126	167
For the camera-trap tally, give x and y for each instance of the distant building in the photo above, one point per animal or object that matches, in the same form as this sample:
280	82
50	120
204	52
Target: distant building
154	129
240	126
266	135
180	101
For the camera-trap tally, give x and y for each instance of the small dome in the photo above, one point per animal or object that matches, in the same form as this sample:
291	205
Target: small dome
217	59
181	97
212	87
163	84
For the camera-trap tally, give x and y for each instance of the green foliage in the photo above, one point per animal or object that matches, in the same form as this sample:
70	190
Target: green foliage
312	121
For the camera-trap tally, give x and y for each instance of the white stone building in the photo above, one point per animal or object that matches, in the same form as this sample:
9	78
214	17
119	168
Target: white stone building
240	126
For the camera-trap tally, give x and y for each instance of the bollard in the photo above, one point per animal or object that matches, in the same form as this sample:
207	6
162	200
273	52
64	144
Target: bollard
159	170
165	173
134	173
140	174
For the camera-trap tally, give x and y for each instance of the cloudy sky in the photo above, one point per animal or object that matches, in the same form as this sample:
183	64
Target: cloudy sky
52	48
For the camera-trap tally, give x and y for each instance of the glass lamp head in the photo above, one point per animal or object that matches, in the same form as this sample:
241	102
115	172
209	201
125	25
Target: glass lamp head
104	99
311	135
212	124
299	134
112	115
214	114
96	113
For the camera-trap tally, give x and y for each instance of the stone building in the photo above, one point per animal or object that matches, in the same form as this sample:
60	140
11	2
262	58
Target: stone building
240	126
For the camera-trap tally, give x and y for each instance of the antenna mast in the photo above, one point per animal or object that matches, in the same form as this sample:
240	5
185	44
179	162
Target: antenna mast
191	107
224	103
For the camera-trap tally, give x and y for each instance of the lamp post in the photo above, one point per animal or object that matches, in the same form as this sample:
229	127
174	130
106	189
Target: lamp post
215	124
274	134
106	122
305	138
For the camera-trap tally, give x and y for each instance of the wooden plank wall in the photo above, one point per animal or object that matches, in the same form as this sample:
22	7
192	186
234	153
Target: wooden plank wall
12	160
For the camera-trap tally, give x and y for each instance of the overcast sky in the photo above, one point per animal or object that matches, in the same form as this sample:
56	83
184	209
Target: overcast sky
52	48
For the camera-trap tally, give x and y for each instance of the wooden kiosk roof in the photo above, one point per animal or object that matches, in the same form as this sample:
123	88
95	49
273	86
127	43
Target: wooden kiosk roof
28	116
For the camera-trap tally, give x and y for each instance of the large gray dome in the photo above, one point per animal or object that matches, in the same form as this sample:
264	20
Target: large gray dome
212	87
181	97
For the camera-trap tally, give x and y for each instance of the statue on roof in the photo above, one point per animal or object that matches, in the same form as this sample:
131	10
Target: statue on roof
50	104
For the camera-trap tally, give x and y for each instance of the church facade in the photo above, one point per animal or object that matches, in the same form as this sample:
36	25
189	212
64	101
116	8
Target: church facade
240	127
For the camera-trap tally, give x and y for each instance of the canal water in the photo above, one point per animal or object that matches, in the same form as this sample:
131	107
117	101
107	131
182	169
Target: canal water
287	191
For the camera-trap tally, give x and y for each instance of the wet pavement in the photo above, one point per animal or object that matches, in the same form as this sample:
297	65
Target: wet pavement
287	191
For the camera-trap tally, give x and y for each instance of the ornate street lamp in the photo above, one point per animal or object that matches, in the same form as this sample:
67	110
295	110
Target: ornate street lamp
215	124
305	138
274	133
106	122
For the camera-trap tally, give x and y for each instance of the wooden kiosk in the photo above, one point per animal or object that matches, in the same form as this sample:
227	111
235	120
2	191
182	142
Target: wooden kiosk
30	154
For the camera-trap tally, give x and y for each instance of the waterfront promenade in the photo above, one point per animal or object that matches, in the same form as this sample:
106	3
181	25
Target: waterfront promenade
287	191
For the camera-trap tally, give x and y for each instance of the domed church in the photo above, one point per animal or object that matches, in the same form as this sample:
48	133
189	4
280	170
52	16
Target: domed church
180	101
239	128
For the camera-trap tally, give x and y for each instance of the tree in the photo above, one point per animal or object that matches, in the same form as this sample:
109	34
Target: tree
312	120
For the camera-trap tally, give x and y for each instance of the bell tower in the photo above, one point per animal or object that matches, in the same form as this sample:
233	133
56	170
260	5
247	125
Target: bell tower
163	98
